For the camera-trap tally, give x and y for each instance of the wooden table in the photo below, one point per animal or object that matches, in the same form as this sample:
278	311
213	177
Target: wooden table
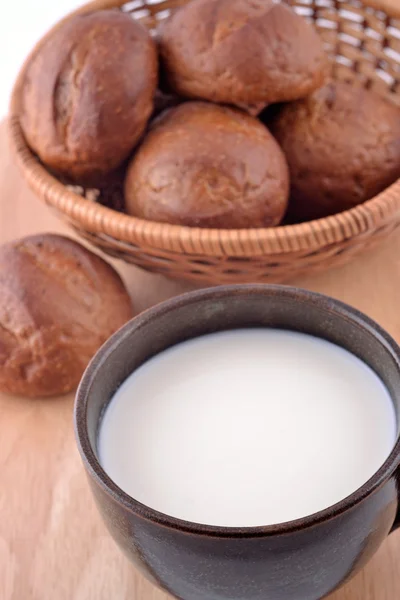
53	545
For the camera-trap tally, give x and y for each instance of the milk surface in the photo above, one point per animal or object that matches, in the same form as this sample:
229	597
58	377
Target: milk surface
247	428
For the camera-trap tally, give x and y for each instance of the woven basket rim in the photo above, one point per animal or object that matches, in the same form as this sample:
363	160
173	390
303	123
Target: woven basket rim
102	220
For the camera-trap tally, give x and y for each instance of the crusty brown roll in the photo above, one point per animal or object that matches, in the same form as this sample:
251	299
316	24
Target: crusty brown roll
343	147
208	166
88	94
241	52
58	304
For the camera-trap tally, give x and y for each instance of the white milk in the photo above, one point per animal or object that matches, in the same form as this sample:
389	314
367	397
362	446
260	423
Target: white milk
247	427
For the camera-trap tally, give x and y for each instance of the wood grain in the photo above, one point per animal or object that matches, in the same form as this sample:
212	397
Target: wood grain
53	545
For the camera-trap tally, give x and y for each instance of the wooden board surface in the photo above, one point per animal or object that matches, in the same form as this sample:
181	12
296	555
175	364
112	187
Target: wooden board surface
53	545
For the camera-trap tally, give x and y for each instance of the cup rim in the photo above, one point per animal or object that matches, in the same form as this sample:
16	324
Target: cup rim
101	478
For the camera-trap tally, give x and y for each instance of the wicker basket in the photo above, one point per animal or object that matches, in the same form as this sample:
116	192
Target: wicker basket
363	39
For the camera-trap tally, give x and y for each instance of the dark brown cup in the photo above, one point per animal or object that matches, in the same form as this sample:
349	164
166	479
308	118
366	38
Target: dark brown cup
302	560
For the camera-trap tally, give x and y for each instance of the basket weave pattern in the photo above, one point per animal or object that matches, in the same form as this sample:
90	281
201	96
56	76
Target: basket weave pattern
364	43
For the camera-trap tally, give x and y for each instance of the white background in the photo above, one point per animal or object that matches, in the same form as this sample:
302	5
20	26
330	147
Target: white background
22	23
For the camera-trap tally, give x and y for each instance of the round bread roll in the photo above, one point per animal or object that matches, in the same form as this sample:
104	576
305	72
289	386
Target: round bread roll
241	52
88	94
208	166
58	304
343	147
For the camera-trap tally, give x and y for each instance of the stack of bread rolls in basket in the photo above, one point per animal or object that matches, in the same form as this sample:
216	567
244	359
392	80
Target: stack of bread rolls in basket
253	133
225	118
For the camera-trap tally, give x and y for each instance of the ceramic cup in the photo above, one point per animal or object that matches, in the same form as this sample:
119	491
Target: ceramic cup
302	560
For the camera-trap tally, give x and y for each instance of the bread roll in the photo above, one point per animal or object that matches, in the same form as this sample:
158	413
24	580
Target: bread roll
343	147
242	52
88	94
208	166
58	304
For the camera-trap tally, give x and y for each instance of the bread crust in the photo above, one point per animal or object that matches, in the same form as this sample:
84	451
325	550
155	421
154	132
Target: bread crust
241	52
59	303
208	166
343	148
88	94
